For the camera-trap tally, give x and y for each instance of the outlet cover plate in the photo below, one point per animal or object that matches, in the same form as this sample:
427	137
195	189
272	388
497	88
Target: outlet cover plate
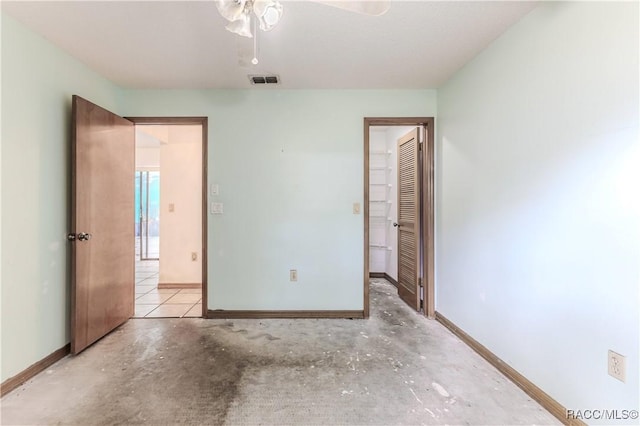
617	365
217	208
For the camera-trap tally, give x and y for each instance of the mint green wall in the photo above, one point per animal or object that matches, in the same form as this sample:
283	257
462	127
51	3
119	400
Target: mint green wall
289	165
538	206
38	80
536	195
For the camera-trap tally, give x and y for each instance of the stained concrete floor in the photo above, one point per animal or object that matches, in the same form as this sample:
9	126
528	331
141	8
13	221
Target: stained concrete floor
395	368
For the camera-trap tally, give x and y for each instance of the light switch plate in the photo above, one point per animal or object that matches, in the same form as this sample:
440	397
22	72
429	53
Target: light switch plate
217	208
356	208
215	189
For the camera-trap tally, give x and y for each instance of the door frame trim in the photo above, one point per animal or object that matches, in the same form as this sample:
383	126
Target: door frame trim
427	214
204	121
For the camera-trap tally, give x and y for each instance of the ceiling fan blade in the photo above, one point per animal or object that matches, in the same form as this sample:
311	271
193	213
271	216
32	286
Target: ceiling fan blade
364	7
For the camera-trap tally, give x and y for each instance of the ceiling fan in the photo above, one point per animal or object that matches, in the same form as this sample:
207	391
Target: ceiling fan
267	13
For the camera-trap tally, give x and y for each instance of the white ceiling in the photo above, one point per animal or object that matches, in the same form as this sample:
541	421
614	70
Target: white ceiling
183	44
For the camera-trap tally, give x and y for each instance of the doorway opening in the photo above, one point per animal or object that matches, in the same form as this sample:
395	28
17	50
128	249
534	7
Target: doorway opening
170	218
102	231
399	208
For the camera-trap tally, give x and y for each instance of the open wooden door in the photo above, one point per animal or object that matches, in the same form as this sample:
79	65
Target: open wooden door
102	223
408	224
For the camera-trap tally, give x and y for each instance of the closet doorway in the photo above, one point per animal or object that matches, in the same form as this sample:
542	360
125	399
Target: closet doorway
399	208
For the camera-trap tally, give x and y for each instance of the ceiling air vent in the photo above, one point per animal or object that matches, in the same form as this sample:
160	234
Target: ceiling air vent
264	79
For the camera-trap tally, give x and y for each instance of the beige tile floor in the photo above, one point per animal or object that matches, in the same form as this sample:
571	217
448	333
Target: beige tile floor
152	302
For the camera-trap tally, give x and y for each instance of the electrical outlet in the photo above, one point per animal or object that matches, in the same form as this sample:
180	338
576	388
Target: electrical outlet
617	366
194	256
217	208
293	275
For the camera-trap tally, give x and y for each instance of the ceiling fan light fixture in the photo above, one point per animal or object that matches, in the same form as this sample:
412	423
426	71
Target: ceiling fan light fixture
231	10
268	12
241	26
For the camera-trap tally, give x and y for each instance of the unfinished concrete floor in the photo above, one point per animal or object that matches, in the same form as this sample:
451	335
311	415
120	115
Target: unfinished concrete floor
395	368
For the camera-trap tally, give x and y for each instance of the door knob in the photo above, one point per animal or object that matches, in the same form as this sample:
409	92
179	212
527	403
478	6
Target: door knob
80	236
83	236
396	225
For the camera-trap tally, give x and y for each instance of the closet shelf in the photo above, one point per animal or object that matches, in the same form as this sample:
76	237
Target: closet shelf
380	205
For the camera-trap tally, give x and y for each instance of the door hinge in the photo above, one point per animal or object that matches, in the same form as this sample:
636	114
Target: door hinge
420	146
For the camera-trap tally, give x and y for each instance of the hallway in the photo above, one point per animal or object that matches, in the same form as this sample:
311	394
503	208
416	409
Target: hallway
153	302
395	368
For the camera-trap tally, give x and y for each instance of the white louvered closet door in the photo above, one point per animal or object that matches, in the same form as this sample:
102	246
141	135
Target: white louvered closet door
409	219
